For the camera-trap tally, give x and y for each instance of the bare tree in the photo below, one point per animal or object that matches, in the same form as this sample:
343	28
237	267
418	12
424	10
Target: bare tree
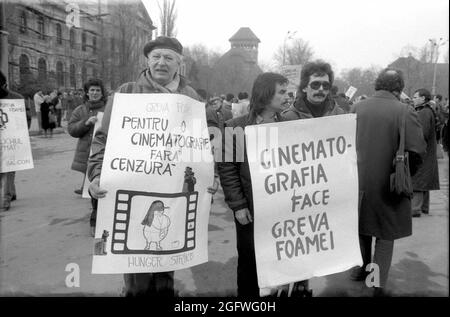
168	16
362	79
299	52
202	55
427	53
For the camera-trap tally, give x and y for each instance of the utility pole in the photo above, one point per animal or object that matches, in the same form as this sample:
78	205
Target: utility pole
3	41
289	35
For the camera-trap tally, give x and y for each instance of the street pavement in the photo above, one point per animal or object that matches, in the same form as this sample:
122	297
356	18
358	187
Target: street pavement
47	229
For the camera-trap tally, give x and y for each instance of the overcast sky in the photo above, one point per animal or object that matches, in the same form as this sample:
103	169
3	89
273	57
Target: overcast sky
346	33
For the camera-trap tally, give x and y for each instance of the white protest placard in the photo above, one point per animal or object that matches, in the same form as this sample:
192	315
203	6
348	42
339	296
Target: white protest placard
404	96
86	181
156	168
292	73
15	148
305	192
351	92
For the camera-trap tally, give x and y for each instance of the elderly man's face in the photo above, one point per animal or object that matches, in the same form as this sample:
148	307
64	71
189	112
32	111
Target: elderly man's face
163	64
318	89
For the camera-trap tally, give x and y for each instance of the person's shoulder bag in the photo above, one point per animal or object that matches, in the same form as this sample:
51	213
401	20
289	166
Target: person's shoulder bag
401	183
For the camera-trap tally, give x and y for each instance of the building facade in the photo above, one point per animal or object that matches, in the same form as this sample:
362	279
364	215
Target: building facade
57	44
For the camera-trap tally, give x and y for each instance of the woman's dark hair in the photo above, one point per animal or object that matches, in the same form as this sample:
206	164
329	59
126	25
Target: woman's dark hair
318	68
263	91
424	93
390	80
94	82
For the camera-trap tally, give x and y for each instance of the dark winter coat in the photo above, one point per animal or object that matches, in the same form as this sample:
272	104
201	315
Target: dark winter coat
427	176
299	110
143	85
78	129
383	214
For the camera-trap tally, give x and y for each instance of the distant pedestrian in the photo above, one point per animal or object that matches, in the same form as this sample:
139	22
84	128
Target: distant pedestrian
164	56
81	125
38	100
427	177
48	116
383	214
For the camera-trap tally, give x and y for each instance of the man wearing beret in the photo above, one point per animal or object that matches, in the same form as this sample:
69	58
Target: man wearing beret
161	76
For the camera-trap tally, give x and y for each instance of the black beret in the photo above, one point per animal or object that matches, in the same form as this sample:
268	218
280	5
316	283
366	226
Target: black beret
163	42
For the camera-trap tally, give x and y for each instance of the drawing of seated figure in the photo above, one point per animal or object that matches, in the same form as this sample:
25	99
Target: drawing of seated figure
156	225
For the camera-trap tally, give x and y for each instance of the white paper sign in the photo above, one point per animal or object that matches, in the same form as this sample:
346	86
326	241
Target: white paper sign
305	191
15	149
156	169
351	92
86	181
292	72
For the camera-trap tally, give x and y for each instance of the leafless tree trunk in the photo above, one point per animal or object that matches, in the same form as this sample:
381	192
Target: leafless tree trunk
168	16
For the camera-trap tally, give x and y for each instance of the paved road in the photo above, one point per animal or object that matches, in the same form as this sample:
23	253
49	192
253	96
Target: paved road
48	227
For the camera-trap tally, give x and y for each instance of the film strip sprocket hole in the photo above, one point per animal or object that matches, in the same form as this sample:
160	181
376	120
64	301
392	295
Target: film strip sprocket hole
127	217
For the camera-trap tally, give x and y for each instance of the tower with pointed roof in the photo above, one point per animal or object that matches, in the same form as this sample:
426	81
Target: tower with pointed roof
245	39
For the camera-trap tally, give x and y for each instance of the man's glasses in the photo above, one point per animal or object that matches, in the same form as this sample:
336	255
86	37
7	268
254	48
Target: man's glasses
316	85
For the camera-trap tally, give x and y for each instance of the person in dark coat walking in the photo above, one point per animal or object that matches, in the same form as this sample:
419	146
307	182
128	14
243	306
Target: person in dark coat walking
383	214
81	126
269	98
427	177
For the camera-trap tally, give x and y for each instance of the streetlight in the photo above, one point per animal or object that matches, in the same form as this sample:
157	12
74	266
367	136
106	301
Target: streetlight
435	50
289	35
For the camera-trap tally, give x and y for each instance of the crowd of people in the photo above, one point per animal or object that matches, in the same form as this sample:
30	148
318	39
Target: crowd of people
383	216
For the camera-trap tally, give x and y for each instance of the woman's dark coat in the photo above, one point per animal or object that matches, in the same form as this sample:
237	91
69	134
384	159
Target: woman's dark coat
78	129
427	176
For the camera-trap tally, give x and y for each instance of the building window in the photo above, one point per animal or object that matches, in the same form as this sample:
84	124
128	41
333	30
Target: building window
59	74
42	70
73	82
58	34
40	22
72	38
23	22
24	69
83	75
83	41
94	44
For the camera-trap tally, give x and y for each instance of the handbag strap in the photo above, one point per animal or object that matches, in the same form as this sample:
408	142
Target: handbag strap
401	147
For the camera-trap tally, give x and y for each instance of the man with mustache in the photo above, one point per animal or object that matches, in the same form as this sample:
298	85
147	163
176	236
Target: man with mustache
313	101
313	95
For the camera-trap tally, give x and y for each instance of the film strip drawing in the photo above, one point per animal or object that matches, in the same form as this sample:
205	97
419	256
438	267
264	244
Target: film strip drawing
155	224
